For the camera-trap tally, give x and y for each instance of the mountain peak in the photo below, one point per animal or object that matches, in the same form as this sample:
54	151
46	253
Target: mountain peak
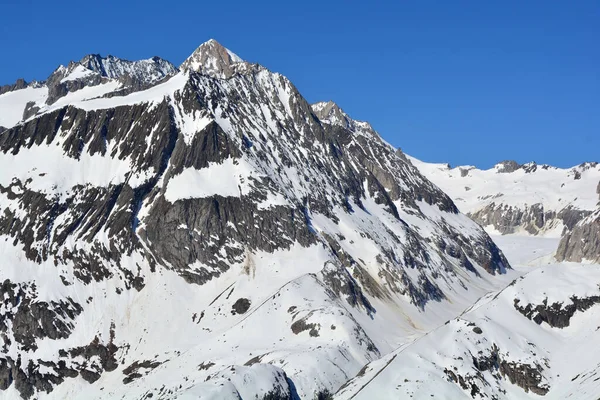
213	59
330	112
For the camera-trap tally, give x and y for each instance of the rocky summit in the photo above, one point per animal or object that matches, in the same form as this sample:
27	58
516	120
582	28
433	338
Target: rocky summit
205	232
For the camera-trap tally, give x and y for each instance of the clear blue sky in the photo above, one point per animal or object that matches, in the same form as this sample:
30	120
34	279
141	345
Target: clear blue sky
464	82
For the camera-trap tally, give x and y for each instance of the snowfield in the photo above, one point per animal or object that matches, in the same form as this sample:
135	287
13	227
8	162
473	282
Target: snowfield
12	104
556	188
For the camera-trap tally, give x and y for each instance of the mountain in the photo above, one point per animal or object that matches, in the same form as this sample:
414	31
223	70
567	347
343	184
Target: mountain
205	232
529	199
510	198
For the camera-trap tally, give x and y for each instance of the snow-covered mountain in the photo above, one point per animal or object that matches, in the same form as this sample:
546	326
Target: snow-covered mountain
512	198
147	71
205	232
529	199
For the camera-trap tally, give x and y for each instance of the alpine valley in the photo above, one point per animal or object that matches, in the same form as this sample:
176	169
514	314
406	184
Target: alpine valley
203	232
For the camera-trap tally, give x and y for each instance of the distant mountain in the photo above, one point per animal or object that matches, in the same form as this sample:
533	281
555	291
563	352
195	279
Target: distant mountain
204	232
531	199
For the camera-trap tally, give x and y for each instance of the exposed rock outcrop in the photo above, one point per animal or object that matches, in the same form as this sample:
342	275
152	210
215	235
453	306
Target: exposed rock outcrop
582	242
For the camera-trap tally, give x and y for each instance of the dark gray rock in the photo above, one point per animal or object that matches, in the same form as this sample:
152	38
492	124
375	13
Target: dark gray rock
241	306
557	315
527	376
28	379
19	84
132	372
507	166
30	319
582	241
532	218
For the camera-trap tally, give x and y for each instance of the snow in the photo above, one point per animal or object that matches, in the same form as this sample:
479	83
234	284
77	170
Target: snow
208	351
228	179
524	252
273	200
150	70
12	104
418	369
91	97
190	124
234	57
555	188
154	95
78	72
48	170
80	98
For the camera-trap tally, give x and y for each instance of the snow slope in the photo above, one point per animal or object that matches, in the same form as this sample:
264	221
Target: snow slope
12	104
495	351
93	76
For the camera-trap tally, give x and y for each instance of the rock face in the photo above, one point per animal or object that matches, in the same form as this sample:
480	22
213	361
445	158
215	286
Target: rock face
557	315
211	58
143	71
19	84
534	219
582	242
180	217
508	166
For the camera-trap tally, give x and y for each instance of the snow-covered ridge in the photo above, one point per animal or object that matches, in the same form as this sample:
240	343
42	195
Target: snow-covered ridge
330	113
109	77
538	199
93	76
13	103
149	71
